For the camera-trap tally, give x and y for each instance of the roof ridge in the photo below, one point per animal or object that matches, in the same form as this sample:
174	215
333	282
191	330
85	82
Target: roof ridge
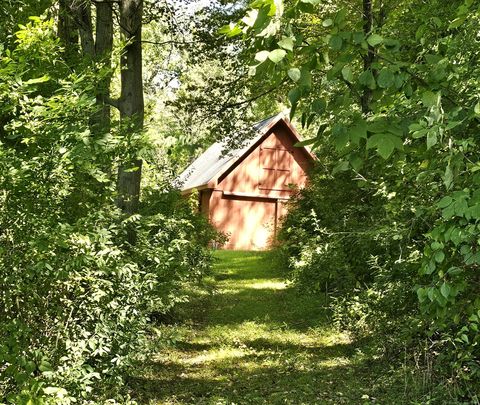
212	161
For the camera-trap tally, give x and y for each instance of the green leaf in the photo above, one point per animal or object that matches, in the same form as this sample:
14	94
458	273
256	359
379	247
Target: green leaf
312	1
251	17
262	56
306	78
347	74
385	144
431	139
304	119
418	130
386	78
476	109
421	294
439	256
230	30
45	366
276	55
445	290
453	271
393	44
445	202
358	131
408	90
366	79
286	43
307	8
340	16
262	18
419	134
310	119
340	167
294	95
336	42
429	98
319	105
448	177
378	126
294	74
457	22
415	127
340	135
358	37
474	212
356	161
374	40
42	79
305	142
328	22
57	391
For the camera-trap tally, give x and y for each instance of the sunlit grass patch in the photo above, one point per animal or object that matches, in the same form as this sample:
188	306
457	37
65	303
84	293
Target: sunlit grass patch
217	355
266	285
253	339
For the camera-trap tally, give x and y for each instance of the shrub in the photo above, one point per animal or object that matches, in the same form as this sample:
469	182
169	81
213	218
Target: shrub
330	233
75	296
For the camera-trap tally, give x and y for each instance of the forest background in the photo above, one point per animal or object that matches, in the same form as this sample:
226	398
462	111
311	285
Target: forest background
103	103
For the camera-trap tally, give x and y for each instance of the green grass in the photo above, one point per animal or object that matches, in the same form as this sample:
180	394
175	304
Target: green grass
249	338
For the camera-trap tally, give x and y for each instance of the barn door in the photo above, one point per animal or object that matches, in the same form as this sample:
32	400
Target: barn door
275	165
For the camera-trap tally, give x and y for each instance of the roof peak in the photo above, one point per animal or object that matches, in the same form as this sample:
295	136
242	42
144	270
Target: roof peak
213	162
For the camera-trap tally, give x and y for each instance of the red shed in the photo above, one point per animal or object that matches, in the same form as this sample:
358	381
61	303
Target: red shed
243	192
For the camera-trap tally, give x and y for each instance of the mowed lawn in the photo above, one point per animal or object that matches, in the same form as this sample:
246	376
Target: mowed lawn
249	338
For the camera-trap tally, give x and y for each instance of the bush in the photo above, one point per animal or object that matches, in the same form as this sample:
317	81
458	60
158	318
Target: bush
330	233
75	296
339	238
382	258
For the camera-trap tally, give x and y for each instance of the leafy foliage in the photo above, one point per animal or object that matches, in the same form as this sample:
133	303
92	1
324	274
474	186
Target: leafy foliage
76	297
395	81
330	233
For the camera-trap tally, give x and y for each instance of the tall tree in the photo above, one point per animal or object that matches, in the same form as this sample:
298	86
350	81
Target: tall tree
75	21
131	102
103	52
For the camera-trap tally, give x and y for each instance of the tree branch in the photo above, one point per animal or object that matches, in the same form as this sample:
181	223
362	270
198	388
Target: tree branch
170	42
114	102
252	99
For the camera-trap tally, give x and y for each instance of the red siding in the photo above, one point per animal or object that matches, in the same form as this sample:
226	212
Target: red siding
248	200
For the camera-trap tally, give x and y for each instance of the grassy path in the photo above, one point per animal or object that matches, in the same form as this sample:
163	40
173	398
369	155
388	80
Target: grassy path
253	340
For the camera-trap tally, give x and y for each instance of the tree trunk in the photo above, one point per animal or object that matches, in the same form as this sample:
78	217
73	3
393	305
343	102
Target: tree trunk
370	57
83	19
66	28
131	100
103	52
76	17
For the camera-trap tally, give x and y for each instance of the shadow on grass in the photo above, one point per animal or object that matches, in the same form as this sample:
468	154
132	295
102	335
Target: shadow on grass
291	383
321	352
255	341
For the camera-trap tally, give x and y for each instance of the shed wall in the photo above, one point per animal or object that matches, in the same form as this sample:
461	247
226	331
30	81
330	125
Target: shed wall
248	222
249	200
248	176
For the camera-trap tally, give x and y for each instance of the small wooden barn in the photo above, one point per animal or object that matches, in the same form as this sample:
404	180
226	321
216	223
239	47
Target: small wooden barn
244	192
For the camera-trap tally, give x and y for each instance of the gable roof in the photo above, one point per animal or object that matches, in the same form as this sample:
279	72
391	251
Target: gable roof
211	164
